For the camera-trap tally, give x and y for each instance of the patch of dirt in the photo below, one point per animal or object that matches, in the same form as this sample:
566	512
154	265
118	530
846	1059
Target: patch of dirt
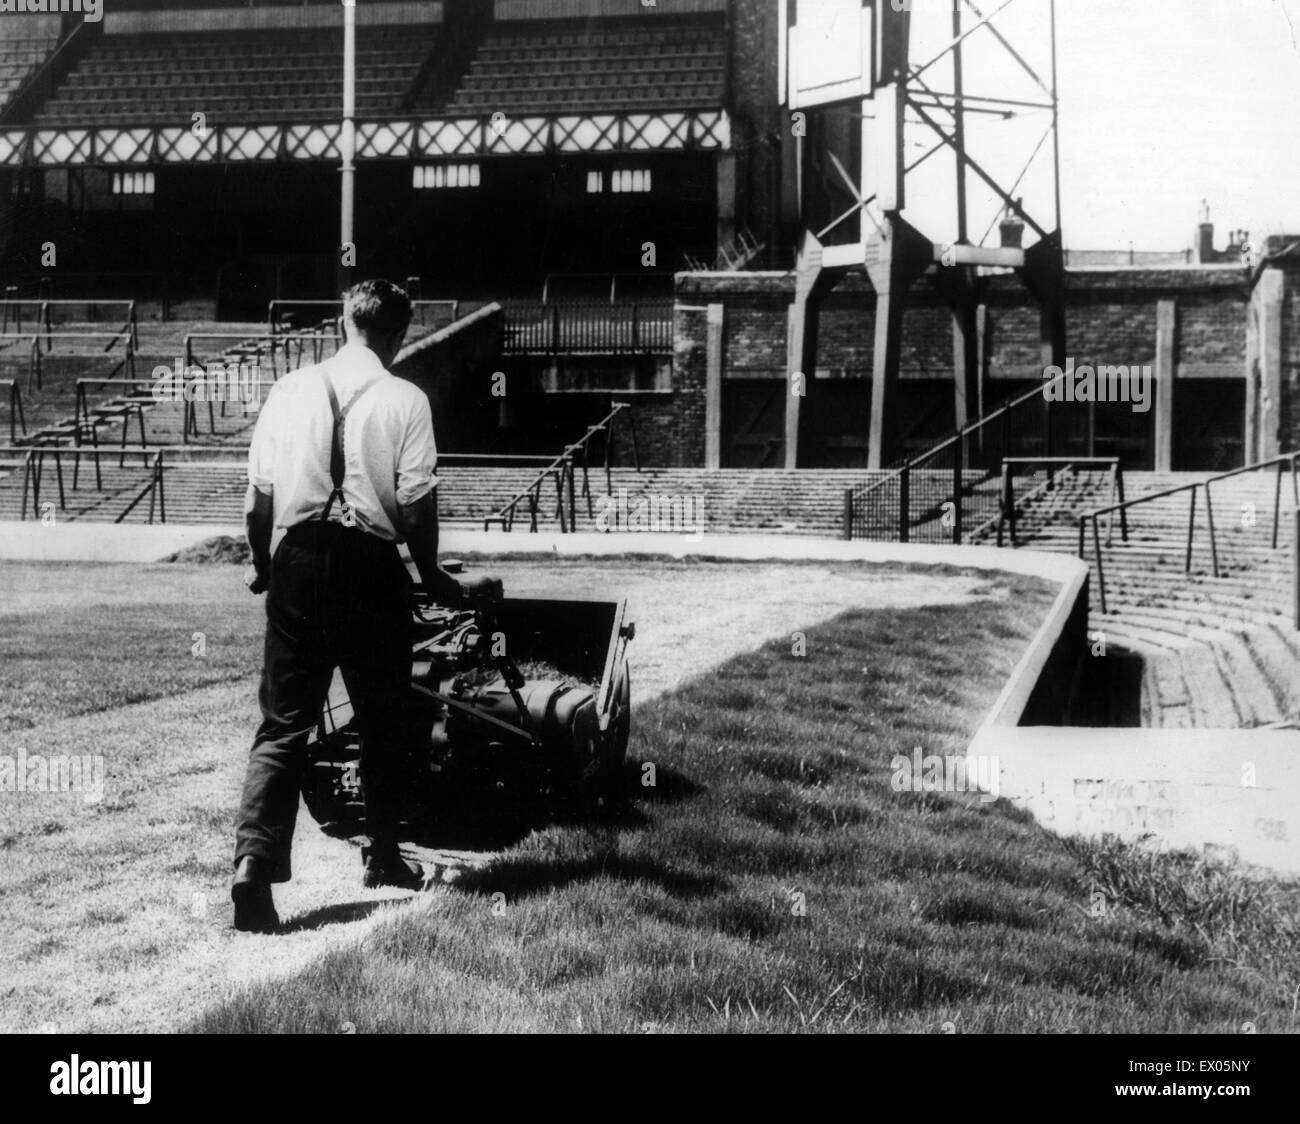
215	551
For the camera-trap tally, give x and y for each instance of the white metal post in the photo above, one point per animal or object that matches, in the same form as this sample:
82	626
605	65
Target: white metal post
348	144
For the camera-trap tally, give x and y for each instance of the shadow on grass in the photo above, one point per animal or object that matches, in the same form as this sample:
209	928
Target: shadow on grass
330	915
476	818
528	875
670	786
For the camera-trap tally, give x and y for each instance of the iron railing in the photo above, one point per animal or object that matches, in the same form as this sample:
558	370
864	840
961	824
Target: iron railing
285	315
87	426
146	393
249	350
1295	570
561	472
636	328
732	256
1284	462
1095	518
79	286
934	496
16	418
294	345
49	312
1009	507
493	460
34	458
43	345
558	472
562	288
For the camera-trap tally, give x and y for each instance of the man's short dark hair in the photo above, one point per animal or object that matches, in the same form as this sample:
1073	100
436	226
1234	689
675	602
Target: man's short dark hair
377	308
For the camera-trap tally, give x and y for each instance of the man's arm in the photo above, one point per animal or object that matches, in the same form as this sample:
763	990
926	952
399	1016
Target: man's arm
420	529
259	517
259	509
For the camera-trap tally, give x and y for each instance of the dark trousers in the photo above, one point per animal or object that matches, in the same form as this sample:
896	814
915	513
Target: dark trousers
340	598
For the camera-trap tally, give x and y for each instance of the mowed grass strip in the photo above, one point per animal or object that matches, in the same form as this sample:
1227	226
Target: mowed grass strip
78	639
772	880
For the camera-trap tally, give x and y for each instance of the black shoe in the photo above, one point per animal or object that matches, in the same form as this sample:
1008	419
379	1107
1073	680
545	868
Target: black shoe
384	866
251	893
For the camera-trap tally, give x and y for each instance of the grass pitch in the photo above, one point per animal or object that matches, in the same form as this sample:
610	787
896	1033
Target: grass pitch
769	879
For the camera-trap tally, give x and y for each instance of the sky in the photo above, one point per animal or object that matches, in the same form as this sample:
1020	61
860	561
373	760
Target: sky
1166	102
1163	103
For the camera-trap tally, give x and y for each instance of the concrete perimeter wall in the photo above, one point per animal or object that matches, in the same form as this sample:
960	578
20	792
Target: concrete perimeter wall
1228	794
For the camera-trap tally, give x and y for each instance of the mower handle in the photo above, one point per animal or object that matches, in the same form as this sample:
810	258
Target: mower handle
483	594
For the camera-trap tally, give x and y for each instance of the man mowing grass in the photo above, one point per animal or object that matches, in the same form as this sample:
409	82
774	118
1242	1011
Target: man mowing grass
341	468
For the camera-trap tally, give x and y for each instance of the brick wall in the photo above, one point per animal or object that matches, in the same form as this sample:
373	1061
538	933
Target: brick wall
755	326
670	428
1290	419
1111	319
1211	335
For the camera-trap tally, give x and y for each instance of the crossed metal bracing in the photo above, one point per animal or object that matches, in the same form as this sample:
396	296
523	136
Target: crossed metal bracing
895	254
943	113
534	134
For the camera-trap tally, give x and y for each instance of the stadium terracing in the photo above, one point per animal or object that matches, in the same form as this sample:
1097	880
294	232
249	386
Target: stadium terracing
591	201
590	197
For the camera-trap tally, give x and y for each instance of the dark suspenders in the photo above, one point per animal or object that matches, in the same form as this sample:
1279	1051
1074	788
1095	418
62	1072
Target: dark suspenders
337	464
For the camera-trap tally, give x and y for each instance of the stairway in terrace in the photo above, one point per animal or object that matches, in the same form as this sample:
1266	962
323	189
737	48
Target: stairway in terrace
208	490
1219	651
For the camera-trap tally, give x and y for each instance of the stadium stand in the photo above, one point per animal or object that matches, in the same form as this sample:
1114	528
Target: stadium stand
254	76
23	47
519	69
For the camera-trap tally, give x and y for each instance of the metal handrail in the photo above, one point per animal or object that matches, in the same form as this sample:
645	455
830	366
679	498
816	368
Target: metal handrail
417	306
34	467
1295	569
562	469
268	343
113	335
45	305
35	368
613	279
272	340
84	425
154	490
588	328
895	472
1280	460
72	449
491	459
1095	517
1006	516
16	417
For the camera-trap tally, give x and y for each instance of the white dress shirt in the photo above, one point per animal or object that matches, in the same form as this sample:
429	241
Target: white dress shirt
388	447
